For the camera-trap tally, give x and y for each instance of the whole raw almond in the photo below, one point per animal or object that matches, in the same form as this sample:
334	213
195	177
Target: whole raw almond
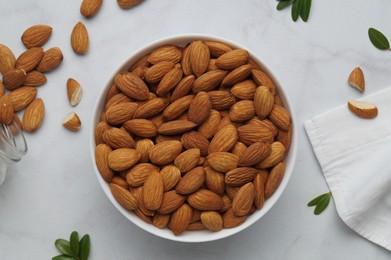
169	81
7	59
274	179
177	107
227	203
212	65
232	59
143	146
13	79
165	53
120	113
102	152
34	79
275	156
6	110
240	176
72	122
195	140
239	149
151	108
33	115
262	79
264	123
231	191
160	220
209	126
100	128
224	140
141	127
212	220
186	65
214	180
113	90
165	152
139	173
171	175
209	80
243	200
242	111
124	197
132	86
138	194
196	226
187	160
204	199
226	120
254	154
118	138
199	57
259	191
74	91
155	73
230	220
191	182
237	75
280	117
244	90
171	202
285	137
217	48
249	134
120	181
29	59
89	8
139	213
200	108
180	219
123	158
153	191
176	127
36	36
263	101
51	59
183	88
118	99
162	138
221	99
222	161
79	39
21	97
126	4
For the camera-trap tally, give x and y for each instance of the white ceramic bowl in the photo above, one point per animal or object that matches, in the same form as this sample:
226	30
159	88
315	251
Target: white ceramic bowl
194	236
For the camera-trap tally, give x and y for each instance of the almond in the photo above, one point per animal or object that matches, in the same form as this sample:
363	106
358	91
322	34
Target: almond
6	110
165	53
51	59
187	160
232	59
249	134
204	199
212	220
155	73
139	213
89	8
200	108
123	197
100	128
113	90
171	202
191	182
285	137
195	226
177	107
243	200
123	158
72	122
151	108
237	75
171	175
13	79
195	140
230	220
139	173
356	79
209	126
196	216
33	115
34	79
2	88
186	65
183	88
120	113
160	221
21	97
222	161
132	86
209	80
153	191
29	59
264	123
7	59
117	99
141	127
176	127
169	81
118	138
212	65
165	152
180	219
36	36
278	100
138	194
275	156
259	191
102	152
74	91
274	179
214	181
262	79
263	101
199	57
226	120
231	191
79	39
244	90
120	182
239	150
143	146
221	99
217	48
141	62
240	176
255	153
242	111
224	140
361	109
126	4
280	117
162	138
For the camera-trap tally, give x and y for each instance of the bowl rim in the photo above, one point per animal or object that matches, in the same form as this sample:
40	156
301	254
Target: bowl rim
194	236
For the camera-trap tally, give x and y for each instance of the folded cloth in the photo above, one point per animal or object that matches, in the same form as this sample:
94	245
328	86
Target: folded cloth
355	157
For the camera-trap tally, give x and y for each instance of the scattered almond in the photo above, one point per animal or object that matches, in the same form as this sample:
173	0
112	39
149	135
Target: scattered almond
36	36
74	91
21	97
79	39
72	122
52	58
6	110
7	59
29	59
356	79
89	8
33	115
126	4
363	109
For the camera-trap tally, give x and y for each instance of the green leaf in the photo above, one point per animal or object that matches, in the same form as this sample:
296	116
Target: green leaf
315	201
322	204
74	241
64	247
296	9
283	4
84	247
378	39
63	257
305	10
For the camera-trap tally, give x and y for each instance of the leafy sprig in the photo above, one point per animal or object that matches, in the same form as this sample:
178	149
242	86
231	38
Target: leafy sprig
321	202
73	249
300	8
378	39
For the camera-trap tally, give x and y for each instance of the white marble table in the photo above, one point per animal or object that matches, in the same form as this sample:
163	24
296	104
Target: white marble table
54	189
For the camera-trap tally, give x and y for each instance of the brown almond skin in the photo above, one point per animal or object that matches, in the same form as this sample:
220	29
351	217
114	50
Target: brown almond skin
239	149
217	48
204	199
89	8
237	75
221	99
254	154
210	126
29	59
169	81
127	4
212	220
243	200
165	152
240	176
262	79
177	107
276	155
156	72
187	160
194	139
102	152
227	203
285	137
138	194
274	179
209	81
36	36
143	146
120	113
120	182
139	173
51	59
200	108
244	90
223	161
224	140
151	108
33	115
153	191
259	191
21	97
280	117
6	110
7	59
230	220
79	39
123	197
171	202
180	219
100	128
132	86
123	158
183	88
214	180
232	59
171	175
13	79
191	182
141	127
118	138
176	127
249	134
263	101
160	221
196	226
199	57
165	53
242	111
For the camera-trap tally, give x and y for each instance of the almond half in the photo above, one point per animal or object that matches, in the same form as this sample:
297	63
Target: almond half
74	91
72	122
363	109
356	79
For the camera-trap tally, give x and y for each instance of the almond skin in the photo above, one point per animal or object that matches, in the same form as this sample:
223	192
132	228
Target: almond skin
74	92
242	111
102	152
262	79
274	179
6	110
72	122
222	161
240	176
362	109
123	197
118	138
177	107
153	191
209	81
259	191
169	81
244	90
143	146
263	101
224	140
29	59
13	79
51	59
280	117
183	88
132	86
210	125
243	200
199	57
191	182
187	160
249	134
221	99
100	128
255	153
195	140
79	39
145	212
33	115
165	53
275	156
155	73
176	127
237	75
165	152
118	99
214	181
180	219
232	59
217	48
230	220
196	226
151	108
141	127
204	199
21	97
212	220
120	181
171	202
171	175
2	88
160	220
139	173
285	137
239	149
34	79
120	113
122	159
89	8
200	108
356	79
126	4
36	36
7	59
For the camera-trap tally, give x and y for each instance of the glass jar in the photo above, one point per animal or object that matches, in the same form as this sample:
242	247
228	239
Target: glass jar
13	147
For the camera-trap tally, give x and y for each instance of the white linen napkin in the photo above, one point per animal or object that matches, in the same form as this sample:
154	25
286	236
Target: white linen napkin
355	157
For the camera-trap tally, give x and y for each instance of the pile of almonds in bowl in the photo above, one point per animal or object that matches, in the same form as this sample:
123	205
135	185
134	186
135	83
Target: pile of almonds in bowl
192	136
